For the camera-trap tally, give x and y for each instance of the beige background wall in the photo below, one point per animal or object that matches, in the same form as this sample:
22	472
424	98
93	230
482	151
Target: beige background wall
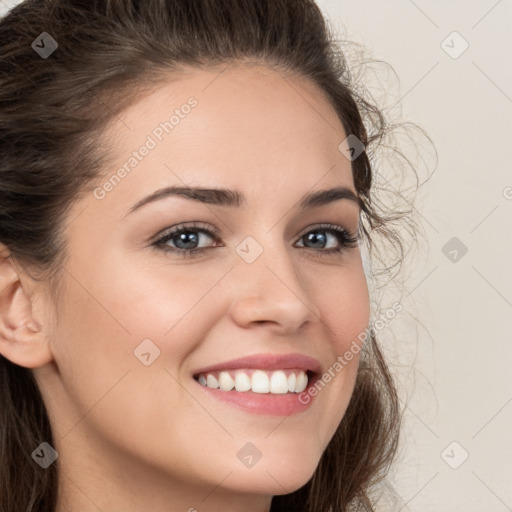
454	366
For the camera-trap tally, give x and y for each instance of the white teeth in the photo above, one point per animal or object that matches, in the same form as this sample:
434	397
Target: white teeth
260	381
212	382
302	382
278	383
292	378
226	382
242	381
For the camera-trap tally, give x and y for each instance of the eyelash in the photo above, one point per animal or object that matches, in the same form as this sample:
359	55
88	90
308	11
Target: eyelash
346	239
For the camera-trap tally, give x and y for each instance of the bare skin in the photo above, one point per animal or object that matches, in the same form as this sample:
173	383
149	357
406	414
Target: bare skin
132	437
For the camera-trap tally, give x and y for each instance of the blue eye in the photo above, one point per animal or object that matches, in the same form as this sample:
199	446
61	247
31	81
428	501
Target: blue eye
185	238
345	238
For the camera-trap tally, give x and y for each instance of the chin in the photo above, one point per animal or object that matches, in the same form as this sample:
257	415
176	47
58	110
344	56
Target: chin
274	482
274	478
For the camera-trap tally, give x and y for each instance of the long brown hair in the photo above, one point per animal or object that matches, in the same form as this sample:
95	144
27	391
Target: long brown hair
52	111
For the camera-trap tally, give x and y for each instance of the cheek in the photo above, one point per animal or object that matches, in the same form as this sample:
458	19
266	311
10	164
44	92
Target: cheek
106	314
117	318
346	314
108	388
346	309
138	303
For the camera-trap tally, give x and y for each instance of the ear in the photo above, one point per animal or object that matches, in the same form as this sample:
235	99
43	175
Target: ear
22	338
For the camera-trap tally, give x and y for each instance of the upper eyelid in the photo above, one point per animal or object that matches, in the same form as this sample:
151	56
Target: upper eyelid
184	226
215	233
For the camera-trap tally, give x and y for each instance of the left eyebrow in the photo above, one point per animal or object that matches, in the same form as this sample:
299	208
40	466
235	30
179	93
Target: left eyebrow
235	199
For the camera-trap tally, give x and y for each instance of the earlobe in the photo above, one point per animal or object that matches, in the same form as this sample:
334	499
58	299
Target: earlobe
22	338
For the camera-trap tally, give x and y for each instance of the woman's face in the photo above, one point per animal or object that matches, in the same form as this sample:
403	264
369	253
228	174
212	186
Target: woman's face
141	327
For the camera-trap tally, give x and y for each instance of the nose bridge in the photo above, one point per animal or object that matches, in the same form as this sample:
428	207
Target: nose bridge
267	283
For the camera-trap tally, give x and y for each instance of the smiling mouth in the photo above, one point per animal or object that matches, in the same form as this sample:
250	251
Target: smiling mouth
274	382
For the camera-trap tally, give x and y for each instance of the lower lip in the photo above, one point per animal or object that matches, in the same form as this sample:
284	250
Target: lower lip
264	403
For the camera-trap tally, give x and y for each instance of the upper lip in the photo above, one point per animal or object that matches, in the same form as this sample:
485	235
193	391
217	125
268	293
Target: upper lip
266	362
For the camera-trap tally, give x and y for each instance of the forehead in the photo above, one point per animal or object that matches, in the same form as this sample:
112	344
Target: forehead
244	126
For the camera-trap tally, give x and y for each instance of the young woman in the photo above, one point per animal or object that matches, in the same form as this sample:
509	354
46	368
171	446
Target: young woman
185	203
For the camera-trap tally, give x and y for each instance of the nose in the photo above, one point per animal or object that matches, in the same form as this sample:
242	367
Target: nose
269	291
